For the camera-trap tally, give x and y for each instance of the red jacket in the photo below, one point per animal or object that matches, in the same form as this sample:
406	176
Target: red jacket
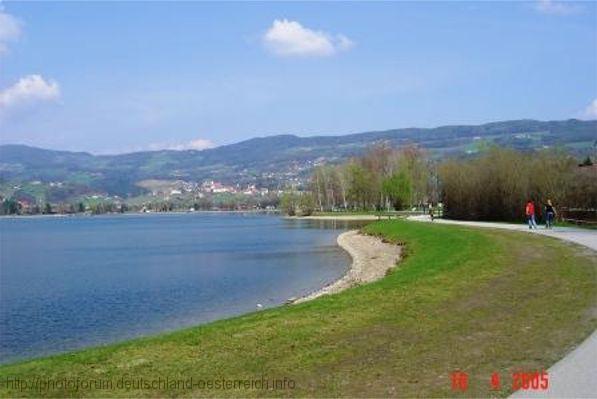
530	208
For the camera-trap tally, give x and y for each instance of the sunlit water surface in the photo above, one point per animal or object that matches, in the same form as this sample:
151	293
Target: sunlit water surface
71	282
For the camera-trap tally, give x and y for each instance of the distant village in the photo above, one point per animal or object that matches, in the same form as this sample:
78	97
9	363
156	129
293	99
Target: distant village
159	196
242	190
180	187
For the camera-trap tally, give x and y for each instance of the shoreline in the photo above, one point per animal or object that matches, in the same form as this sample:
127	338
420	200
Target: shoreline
371	260
133	213
355	216
348	218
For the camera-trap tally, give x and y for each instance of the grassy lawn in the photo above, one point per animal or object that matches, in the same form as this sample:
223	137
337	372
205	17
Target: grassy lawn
478	300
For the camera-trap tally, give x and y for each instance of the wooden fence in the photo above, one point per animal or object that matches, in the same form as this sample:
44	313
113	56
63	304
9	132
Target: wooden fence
578	216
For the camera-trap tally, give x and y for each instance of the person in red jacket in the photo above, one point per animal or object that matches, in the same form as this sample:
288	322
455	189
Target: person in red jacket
530	212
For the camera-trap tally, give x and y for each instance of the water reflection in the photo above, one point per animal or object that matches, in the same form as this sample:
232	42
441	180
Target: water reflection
324	224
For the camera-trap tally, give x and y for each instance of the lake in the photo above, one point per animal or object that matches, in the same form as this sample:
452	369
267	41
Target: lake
72	282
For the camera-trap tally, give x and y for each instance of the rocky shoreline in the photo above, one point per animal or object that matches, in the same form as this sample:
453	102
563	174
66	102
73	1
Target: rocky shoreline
371	260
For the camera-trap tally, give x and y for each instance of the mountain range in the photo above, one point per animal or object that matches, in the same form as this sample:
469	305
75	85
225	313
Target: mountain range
270	161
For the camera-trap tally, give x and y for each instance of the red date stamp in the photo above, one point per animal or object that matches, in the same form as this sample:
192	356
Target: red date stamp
521	380
530	380
459	381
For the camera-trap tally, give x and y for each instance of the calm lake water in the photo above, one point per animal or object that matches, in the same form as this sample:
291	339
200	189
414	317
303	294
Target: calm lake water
70	282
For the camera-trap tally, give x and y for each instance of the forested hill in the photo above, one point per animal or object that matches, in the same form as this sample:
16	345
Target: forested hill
270	160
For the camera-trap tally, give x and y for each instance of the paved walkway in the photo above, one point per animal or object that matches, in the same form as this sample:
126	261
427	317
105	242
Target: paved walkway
574	376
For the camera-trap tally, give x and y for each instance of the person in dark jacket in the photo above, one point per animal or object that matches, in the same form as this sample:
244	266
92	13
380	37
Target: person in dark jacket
550	214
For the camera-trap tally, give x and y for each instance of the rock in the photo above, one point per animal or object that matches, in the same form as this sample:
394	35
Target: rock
291	300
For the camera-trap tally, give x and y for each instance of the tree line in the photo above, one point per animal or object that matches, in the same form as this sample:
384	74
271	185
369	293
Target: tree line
496	185
384	178
11	206
491	186
224	202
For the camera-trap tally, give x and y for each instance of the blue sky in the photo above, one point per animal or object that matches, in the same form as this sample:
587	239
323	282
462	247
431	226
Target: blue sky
117	77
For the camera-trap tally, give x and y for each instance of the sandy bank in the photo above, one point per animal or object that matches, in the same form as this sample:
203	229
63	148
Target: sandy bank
371	259
336	217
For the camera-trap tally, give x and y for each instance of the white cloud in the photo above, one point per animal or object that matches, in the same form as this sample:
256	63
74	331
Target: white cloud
290	39
344	43
591	111
554	7
196	144
10	30
29	90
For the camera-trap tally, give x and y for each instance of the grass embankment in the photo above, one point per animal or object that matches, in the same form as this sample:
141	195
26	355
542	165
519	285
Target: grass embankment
482	301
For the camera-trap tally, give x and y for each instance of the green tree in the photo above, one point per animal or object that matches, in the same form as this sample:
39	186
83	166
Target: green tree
47	208
398	189
289	203
360	186
414	162
306	205
10	206
587	162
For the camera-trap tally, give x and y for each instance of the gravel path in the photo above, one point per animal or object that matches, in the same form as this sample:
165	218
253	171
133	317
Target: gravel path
574	376
371	259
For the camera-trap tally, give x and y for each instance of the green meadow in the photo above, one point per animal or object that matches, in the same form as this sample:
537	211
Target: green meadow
478	300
